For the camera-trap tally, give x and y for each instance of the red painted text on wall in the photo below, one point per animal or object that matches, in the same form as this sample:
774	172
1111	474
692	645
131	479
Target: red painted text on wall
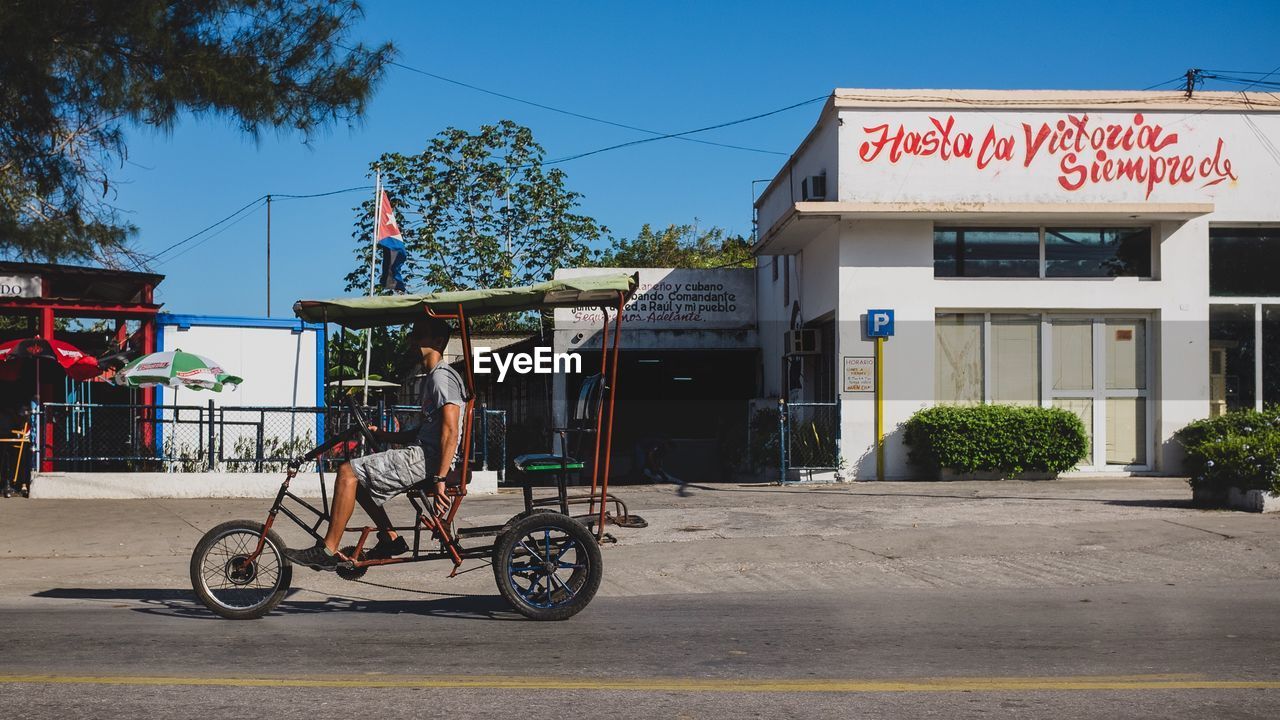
1086	152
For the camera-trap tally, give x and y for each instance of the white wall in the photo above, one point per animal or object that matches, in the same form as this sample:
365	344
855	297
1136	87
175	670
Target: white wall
816	156
278	364
1230	138
885	265
279	367
890	264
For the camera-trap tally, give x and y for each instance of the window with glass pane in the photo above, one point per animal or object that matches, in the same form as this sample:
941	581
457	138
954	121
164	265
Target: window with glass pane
1271	354
1231	353
1242	261
1073	355
1126	350
1103	252
1126	431
986	252
1083	409
957	359
1015	359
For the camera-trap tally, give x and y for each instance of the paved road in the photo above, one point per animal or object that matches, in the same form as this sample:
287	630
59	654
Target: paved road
1137	651
1030	600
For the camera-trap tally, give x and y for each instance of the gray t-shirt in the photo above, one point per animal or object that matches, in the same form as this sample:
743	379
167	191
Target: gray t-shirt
442	386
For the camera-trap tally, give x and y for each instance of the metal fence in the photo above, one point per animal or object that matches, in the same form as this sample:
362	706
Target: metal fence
810	434
194	438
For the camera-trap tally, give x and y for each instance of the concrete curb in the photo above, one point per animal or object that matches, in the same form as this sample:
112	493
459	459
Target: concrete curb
1258	501
138	486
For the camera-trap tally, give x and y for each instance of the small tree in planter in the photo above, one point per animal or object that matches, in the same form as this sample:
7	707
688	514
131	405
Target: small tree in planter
1002	439
1239	450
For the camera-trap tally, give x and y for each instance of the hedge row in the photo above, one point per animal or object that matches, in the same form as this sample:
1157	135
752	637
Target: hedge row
1240	449
1008	439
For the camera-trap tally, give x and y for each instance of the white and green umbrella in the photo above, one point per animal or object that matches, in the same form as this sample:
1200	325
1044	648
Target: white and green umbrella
176	369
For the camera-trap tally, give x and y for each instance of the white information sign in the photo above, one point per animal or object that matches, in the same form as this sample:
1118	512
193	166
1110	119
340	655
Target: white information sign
859	374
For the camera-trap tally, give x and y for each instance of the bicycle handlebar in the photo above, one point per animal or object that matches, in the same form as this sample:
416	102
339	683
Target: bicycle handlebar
325	446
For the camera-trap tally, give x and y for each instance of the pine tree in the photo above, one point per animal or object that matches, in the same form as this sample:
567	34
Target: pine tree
74	74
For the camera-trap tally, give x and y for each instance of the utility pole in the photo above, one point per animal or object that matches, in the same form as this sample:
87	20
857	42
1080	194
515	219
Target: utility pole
1191	81
268	255
373	256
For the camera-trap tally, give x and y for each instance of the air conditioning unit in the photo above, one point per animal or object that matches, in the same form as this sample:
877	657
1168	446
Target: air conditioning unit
804	341
814	187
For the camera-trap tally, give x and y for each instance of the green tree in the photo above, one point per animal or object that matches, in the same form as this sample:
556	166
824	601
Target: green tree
346	355
478	210
75	73
679	246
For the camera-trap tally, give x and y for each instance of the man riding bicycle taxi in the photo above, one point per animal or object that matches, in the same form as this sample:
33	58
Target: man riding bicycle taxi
430	450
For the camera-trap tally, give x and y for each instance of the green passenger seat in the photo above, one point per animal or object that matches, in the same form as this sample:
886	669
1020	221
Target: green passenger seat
546	463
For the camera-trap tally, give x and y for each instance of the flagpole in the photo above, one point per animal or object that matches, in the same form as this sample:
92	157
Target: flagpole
373	254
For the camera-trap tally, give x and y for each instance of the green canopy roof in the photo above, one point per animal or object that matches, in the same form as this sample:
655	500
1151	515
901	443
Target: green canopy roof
364	312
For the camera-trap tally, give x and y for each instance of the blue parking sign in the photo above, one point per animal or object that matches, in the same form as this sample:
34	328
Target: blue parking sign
879	323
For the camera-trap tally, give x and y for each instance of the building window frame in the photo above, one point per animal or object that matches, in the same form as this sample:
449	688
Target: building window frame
1236	231
1259	305
1041	231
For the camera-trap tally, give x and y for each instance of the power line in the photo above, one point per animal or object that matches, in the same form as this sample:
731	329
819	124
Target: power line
251	205
532	103
570	113
1248	83
682	134
1178	79
197	234
207	238
1243	72
275	196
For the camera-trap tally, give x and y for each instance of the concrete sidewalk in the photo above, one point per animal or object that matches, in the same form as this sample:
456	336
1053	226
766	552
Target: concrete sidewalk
713	538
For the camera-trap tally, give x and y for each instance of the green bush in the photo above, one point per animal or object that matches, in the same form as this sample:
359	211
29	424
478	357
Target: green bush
1008	439
1240	449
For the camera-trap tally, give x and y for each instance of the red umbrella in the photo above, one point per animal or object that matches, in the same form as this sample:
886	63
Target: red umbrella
76	363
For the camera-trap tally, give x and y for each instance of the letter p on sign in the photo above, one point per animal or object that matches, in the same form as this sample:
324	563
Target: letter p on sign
879	323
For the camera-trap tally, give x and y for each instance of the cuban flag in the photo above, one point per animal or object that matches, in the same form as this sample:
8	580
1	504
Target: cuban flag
391	245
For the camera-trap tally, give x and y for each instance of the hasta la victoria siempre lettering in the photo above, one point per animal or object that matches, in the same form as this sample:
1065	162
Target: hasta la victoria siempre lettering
1087	152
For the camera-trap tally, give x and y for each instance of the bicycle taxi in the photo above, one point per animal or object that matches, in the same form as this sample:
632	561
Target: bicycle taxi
546	559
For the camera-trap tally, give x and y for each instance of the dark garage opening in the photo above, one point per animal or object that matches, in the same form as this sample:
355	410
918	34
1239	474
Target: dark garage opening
693	402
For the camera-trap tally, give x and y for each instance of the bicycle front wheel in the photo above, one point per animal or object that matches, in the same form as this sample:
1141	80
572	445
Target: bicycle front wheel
230	581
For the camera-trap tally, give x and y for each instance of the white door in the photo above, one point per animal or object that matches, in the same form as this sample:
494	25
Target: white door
1099	370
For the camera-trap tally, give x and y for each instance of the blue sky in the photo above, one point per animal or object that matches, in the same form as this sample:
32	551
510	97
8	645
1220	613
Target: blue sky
658	65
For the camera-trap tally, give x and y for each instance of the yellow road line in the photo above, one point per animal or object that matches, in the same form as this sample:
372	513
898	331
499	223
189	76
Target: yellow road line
677	684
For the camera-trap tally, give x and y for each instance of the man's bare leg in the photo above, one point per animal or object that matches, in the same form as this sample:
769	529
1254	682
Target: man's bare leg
376	512
344	503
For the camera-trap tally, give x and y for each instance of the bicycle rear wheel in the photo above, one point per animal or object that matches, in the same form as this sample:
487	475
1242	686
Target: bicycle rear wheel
548	566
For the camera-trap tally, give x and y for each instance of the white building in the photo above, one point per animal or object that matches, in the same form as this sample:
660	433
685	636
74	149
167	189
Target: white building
1113	253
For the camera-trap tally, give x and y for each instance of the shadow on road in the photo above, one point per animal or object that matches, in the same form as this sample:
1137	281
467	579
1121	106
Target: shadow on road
1181	503
168	602
1178	503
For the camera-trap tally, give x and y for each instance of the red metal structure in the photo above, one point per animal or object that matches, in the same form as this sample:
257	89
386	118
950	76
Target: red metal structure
45	293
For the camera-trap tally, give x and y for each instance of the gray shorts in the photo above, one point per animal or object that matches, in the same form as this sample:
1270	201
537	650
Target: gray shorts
391	472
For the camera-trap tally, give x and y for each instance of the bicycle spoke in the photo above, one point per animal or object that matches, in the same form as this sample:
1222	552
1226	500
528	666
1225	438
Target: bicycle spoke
531	551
